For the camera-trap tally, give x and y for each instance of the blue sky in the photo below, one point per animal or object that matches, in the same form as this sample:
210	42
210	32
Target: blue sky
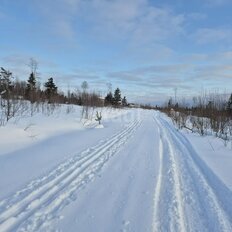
147	48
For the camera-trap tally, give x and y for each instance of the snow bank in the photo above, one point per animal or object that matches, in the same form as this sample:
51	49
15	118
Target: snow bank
28	130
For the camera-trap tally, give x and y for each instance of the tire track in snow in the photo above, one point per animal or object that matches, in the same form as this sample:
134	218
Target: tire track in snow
219	217
158	185
168	188
54	176
34	206
206	201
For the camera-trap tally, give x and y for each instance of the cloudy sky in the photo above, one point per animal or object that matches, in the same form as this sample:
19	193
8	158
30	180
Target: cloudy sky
148	48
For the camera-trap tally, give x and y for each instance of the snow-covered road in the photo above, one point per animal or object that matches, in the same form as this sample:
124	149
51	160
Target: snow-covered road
188	196
145	177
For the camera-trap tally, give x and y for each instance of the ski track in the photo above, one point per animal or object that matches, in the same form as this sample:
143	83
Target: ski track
168	190
188	195
33	207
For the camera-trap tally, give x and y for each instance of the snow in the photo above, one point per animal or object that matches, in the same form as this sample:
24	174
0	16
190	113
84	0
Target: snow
28	130
99	126
202	201
134	172
214	153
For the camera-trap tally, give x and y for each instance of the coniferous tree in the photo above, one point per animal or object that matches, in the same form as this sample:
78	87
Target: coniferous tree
170	103
31	88
6	88
109	99
124	101
5	82
51	89
117	97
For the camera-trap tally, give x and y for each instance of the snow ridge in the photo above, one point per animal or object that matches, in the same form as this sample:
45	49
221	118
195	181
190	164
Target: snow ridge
40	202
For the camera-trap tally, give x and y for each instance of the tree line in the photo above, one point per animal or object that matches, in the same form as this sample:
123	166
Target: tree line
14	93
209	114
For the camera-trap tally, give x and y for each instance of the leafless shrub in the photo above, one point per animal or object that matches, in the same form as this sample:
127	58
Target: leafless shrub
209	113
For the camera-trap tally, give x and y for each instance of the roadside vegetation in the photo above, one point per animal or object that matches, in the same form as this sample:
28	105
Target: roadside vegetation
209	114
19	98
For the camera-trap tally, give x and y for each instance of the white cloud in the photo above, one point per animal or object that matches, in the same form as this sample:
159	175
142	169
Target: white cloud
157	25
216	58
212	35
213	72
117	19
19	65
135	20
188	78
156	77
225	56
58	16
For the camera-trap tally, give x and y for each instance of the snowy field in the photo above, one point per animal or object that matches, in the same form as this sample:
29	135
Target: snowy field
134	173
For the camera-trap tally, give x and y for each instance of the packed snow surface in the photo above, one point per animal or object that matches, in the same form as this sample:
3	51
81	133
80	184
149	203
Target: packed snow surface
135	172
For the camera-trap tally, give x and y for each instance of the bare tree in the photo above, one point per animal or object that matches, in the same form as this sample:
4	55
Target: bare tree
208	114
33	65
84	86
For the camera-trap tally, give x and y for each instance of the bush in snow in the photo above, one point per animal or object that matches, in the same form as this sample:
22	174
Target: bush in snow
98	117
